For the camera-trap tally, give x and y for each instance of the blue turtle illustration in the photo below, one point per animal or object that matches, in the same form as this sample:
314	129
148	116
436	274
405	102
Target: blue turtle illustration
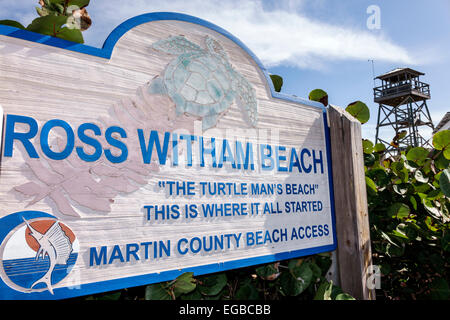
202	82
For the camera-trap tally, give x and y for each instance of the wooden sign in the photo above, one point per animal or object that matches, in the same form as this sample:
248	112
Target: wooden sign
164	152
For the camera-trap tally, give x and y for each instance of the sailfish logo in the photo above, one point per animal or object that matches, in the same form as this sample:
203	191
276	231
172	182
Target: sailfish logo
55	244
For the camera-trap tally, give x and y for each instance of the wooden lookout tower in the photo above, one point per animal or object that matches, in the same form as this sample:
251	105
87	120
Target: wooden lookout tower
403	109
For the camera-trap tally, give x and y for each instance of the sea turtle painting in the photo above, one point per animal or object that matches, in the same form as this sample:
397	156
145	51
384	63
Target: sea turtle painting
202	82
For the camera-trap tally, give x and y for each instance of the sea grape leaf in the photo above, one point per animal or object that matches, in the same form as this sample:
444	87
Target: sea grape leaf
401	171
277	82
441	162
212	284
247	291
47	25
359	110
184	283
157	292
297	279
379	147
413	201
319	95
371	185
344	296
441	141
268	272
367	146
379	176
54	26
369	159
73	35
417	154
12	23
444	182
324	291
398	210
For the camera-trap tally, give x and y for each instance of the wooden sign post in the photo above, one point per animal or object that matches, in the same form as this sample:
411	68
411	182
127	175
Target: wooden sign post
352	217
166	151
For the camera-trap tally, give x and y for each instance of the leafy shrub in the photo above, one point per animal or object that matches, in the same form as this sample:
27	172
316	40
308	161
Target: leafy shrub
64	19
408	200
302	279
408	197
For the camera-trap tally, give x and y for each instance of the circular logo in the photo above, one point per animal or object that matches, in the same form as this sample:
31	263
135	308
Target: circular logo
37	251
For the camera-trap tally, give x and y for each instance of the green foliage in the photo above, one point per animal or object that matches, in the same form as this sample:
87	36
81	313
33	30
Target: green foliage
444	182
213	285
277	82
344	296
324	291
409	212
297	278
328	291
379	147
302	279
367	146
55	26
291	278
12	23
57	7
417	154
408	199
65	19
47	25
359	110
319	95
441	141
183	284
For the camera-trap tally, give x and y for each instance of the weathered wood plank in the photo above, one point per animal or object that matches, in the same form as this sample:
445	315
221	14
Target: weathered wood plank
352	220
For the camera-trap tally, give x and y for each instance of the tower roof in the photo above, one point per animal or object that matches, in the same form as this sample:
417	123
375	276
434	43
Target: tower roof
442	123
400	72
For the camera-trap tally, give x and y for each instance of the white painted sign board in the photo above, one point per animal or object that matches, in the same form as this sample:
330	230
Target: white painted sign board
166	151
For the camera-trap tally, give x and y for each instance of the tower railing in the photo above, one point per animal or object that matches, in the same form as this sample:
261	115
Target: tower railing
402	87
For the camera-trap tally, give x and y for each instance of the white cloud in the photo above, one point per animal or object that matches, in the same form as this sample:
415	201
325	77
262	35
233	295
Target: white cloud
277	34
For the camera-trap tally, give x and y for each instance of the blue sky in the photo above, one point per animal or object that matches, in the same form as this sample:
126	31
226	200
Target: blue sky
310	43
